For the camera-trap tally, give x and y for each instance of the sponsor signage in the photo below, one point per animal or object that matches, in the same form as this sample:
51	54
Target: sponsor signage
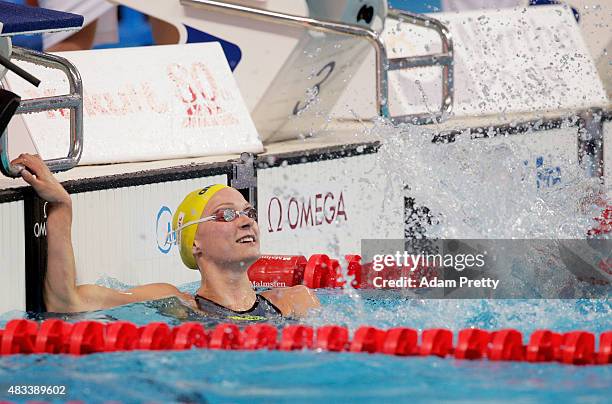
314	208
548	155
156	103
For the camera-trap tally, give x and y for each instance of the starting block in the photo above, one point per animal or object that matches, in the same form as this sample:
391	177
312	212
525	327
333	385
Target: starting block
15	20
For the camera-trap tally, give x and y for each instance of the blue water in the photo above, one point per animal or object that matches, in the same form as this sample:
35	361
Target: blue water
209	376
224	376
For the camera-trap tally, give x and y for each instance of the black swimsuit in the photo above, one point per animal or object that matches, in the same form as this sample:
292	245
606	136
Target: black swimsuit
262	309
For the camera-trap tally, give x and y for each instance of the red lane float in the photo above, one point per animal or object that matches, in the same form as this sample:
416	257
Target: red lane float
120	336
315	274
277	271
472	344
332	338
578	348
296	337
543	346
506	345
154	336
225	336
367	339
189	335
353	263
321	271
401	342
259	336
438	342
86	337
18	337
604	355
51	335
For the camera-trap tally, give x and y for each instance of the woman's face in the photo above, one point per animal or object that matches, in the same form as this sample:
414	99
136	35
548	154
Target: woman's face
228	243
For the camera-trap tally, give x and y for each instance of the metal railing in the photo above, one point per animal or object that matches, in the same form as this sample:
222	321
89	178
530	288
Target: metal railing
383	64
72	101
443	59
319	25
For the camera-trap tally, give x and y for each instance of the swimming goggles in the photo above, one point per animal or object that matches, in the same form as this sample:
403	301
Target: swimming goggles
222	215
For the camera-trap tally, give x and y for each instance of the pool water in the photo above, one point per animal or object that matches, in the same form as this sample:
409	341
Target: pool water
200	376
233	376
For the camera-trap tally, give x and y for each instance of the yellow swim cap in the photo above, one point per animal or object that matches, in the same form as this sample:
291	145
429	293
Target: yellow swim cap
191	209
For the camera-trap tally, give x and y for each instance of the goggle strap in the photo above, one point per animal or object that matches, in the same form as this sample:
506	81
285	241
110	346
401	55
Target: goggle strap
172	235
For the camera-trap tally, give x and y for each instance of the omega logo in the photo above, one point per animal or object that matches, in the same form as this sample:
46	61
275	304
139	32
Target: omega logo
40	229
317	210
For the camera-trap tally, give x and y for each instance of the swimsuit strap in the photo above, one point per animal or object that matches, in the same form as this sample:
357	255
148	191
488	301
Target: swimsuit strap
261	307
269	303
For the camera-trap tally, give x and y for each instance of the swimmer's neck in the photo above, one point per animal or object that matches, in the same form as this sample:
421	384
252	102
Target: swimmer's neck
227	287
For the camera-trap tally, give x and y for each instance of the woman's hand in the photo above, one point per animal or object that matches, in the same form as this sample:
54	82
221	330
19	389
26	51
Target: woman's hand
37	174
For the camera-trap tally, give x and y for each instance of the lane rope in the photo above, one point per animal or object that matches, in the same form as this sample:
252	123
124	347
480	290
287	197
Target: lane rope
55	336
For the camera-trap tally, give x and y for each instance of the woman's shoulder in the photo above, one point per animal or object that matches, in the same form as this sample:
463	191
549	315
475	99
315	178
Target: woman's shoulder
292	301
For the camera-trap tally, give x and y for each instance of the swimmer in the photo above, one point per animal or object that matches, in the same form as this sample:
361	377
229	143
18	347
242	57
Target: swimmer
222	244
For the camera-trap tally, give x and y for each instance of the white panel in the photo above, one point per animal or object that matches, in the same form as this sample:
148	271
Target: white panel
12	257
350	199
156	103
506	61
115	233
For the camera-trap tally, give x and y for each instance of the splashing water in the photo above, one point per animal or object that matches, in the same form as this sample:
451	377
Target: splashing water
480	189
484	188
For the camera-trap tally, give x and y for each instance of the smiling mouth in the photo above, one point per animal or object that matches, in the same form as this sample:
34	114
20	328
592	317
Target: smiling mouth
246	240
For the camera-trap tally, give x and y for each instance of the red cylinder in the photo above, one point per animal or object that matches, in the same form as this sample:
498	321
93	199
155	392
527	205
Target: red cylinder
436	341
333	277
472	344
506	345
85	337
277	271
367	339
18	337
120	336
332	338
51	336
317	271
155	336
400	341
604	356
189	335
578	348
543	346
354	269
225	336
259	336
296	337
